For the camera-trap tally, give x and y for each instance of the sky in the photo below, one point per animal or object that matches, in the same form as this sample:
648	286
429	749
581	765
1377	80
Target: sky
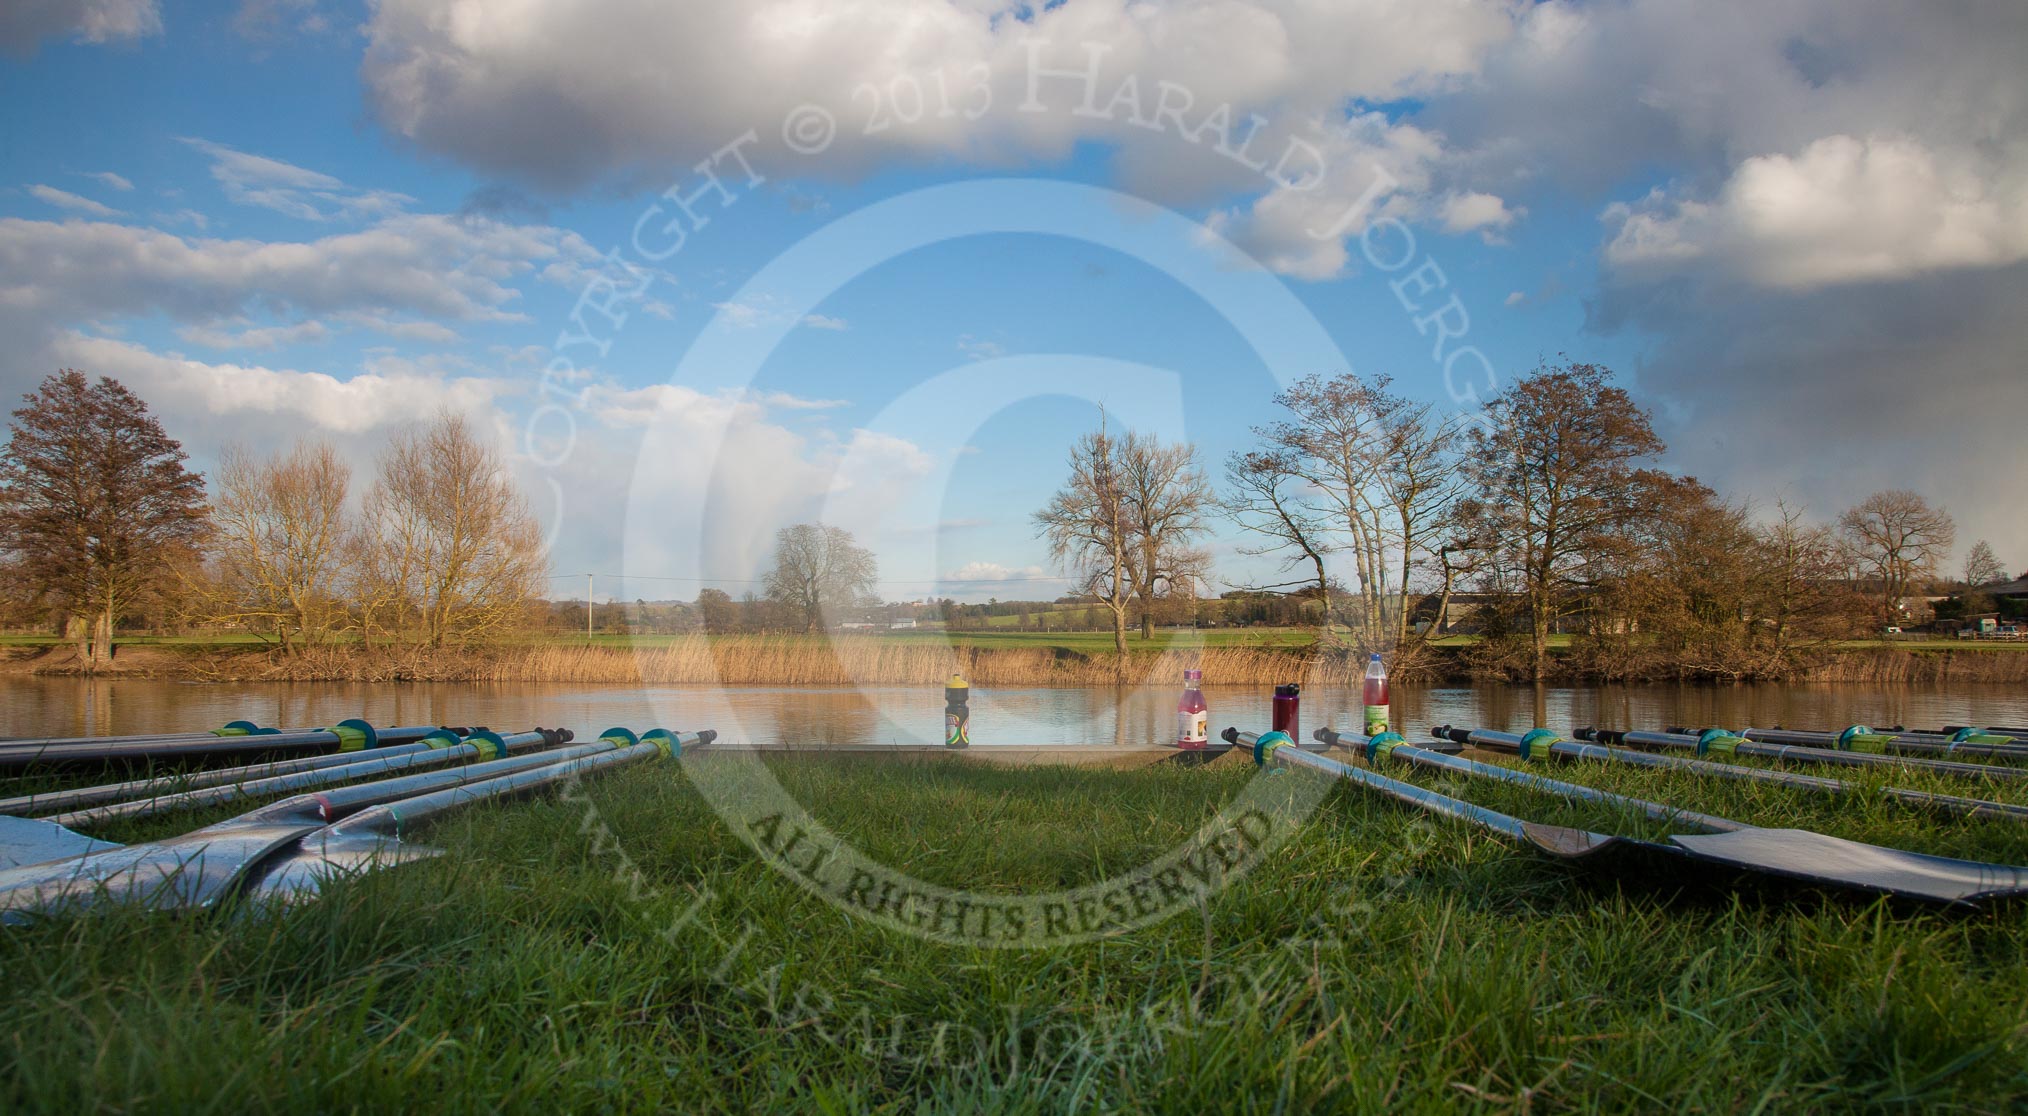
707	269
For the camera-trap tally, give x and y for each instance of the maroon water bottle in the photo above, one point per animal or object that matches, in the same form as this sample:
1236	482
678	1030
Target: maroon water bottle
1285	709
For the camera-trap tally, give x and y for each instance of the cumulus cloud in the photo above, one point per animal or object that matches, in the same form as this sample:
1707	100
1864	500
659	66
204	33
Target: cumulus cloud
24	24
64	199
1203	99
972	572
309	400
1845	209
1476	212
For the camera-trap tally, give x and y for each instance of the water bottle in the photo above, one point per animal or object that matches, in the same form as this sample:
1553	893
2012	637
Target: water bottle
957	715
1375	695
1192	718
1286	709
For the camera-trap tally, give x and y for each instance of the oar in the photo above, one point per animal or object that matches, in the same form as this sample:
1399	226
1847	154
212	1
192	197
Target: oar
195	869
1721	742
1796	853
1531	747
1558	841
48	802
346	736
231	728
1859	738
372	838
1330	738
1989	730
479	745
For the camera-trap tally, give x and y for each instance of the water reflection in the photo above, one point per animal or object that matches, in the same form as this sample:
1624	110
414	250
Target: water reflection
914	715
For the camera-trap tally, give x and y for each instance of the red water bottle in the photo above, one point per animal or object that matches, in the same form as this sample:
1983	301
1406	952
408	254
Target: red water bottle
1193	720
1286	709
1375	697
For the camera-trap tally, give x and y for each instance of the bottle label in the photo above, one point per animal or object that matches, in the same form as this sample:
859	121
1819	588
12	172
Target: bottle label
1376	720
956	731
1192	728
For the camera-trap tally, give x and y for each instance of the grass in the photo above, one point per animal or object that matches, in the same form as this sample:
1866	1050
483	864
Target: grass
1381	959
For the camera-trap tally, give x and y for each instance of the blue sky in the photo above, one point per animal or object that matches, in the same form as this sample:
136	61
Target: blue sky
289	218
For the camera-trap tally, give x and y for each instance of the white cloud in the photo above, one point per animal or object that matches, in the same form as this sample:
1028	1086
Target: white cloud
64	199
1842	210
824	321
1515	298
317	401
407	330
293	191
255	337
994	571
25	23
611	89
979	348
1475	212
108	178
426	265
785	401
189	217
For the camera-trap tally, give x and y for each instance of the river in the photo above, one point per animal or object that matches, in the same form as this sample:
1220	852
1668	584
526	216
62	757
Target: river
32	706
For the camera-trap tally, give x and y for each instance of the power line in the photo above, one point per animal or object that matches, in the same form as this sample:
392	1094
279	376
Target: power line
751	581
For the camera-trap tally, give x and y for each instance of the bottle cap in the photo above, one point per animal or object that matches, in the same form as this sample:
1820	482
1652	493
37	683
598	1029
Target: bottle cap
1193	676
1375	658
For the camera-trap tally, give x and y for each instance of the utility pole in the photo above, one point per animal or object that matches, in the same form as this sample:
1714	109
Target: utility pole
587	610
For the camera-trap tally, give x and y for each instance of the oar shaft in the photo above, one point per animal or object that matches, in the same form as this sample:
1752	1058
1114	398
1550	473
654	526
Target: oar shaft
349	735
32	805
1409	793
364	765
1797	753
1970	807
1898	743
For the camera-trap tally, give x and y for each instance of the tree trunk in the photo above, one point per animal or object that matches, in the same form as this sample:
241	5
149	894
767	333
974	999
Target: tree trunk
1540	624
102	638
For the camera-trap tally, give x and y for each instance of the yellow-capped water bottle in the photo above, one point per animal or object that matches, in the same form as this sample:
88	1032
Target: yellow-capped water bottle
957	715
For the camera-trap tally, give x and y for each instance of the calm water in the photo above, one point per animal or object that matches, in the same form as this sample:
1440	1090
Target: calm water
908	715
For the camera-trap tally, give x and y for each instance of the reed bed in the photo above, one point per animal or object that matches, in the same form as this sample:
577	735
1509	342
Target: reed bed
790	661
804	660
1896	665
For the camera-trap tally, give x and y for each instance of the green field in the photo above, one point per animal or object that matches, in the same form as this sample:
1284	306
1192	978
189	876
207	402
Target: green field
1380	959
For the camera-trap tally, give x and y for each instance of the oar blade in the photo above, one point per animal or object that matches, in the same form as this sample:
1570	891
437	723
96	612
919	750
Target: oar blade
1581	844
33	841
1820	858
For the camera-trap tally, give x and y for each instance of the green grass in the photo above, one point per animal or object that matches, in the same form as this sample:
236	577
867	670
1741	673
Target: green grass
1381	959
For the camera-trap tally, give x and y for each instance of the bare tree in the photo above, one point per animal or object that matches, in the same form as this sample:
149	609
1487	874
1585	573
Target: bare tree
1087	525
819	567
1266	495
279	548
1163	498
1897	537
448	546
95	502
1364	472
1981	567
1796	569
1556	479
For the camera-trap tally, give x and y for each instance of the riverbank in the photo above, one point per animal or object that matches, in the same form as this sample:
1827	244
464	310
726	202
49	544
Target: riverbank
928	658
